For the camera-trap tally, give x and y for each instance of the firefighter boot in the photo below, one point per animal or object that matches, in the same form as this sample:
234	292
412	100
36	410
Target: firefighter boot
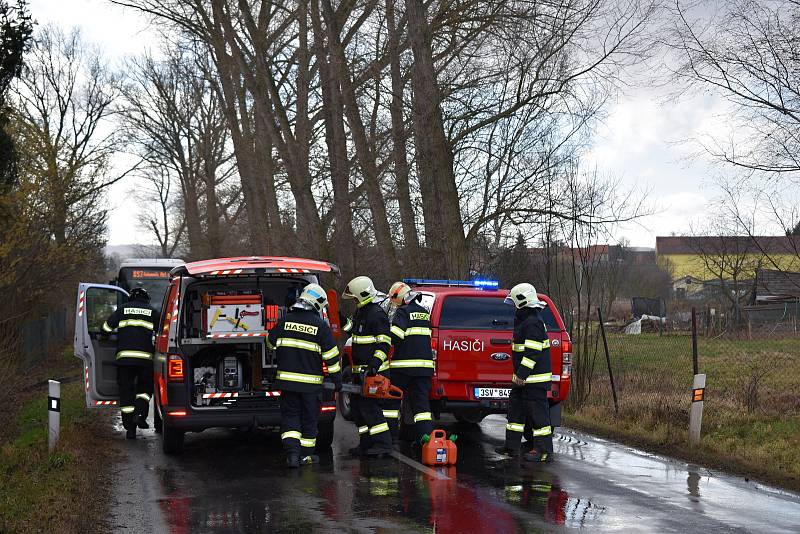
130	433
293	460
507	451
142	423
537	456
309	460
378	452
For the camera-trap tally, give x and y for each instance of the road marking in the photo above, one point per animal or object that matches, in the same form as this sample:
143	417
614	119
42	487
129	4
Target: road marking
418	466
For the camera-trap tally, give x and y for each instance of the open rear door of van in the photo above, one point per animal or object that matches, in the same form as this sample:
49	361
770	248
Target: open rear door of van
97	350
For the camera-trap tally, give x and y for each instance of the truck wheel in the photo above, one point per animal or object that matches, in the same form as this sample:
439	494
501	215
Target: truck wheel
472	417
343	399
171	440
157	421
324	435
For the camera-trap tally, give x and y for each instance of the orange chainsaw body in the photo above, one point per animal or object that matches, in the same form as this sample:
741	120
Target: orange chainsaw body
379	387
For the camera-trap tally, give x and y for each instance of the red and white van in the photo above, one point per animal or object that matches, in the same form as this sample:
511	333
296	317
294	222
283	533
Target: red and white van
212	367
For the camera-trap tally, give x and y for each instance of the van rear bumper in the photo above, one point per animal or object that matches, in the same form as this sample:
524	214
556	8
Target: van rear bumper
196	420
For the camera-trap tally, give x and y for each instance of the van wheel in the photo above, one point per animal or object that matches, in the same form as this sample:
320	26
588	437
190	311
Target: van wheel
472	417
157	421
343	399
171	440
324	435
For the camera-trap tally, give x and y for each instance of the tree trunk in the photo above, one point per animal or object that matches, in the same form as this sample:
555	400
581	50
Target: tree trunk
279	243
213	238
444	227
401	170
336	141
234	99
309	225
364	154
191	211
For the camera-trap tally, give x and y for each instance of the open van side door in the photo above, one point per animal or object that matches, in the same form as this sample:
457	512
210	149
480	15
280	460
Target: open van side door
97	350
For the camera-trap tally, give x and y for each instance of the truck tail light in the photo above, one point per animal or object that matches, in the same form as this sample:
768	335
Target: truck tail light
175	369
566	358
434	346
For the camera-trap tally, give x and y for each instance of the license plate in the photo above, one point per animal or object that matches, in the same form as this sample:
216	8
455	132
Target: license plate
492	393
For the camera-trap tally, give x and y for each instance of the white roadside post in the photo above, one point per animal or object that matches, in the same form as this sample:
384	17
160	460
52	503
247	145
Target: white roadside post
696	414
53	413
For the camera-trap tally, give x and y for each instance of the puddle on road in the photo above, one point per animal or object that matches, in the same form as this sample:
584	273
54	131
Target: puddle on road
239	484
226	482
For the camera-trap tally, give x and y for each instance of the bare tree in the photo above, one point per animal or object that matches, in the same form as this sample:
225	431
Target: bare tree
173	120
749	53
62	108
161	215
365	114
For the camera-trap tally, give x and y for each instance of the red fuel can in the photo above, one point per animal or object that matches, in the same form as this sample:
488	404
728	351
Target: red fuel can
439	450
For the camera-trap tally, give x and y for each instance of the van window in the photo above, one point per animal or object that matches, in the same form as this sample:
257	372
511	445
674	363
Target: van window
101	302
484	313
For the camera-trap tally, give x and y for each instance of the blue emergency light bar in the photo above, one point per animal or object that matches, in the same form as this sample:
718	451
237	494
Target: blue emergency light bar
477	283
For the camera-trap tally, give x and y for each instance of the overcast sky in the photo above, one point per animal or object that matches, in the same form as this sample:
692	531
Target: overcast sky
639	141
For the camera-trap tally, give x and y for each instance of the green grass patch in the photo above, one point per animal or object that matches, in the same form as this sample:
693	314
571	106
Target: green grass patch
751	422
65	491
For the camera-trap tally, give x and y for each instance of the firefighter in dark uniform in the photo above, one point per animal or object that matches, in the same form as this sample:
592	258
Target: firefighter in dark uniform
135	322
303	341
532	374
369	330
412	359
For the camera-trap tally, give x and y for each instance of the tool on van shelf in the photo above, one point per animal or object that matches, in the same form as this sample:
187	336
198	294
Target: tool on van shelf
228	313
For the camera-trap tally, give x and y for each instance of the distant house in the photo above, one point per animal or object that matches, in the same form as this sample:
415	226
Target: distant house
776	286
688	287
687	256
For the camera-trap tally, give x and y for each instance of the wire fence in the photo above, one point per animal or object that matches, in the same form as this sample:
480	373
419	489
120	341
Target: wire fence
24	342
751	373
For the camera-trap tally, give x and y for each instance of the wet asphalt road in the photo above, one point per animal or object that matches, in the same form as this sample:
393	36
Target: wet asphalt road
236	482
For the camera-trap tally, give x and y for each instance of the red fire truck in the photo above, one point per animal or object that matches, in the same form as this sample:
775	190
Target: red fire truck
472	337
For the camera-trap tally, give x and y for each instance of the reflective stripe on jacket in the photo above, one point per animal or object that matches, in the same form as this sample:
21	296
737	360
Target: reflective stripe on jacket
531	349
370	336
135	322
411	337
303	341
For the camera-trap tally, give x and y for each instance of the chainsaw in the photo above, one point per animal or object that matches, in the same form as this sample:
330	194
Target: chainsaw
374	387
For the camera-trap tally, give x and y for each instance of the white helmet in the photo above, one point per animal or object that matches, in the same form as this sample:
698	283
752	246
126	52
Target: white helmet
524	296
314	295
401	293
360	288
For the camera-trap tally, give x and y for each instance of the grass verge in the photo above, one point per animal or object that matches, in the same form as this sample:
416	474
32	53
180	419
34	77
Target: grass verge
68	490
770	454
751	420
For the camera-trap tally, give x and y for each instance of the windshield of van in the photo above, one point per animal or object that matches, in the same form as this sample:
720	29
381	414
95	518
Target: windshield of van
484	313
